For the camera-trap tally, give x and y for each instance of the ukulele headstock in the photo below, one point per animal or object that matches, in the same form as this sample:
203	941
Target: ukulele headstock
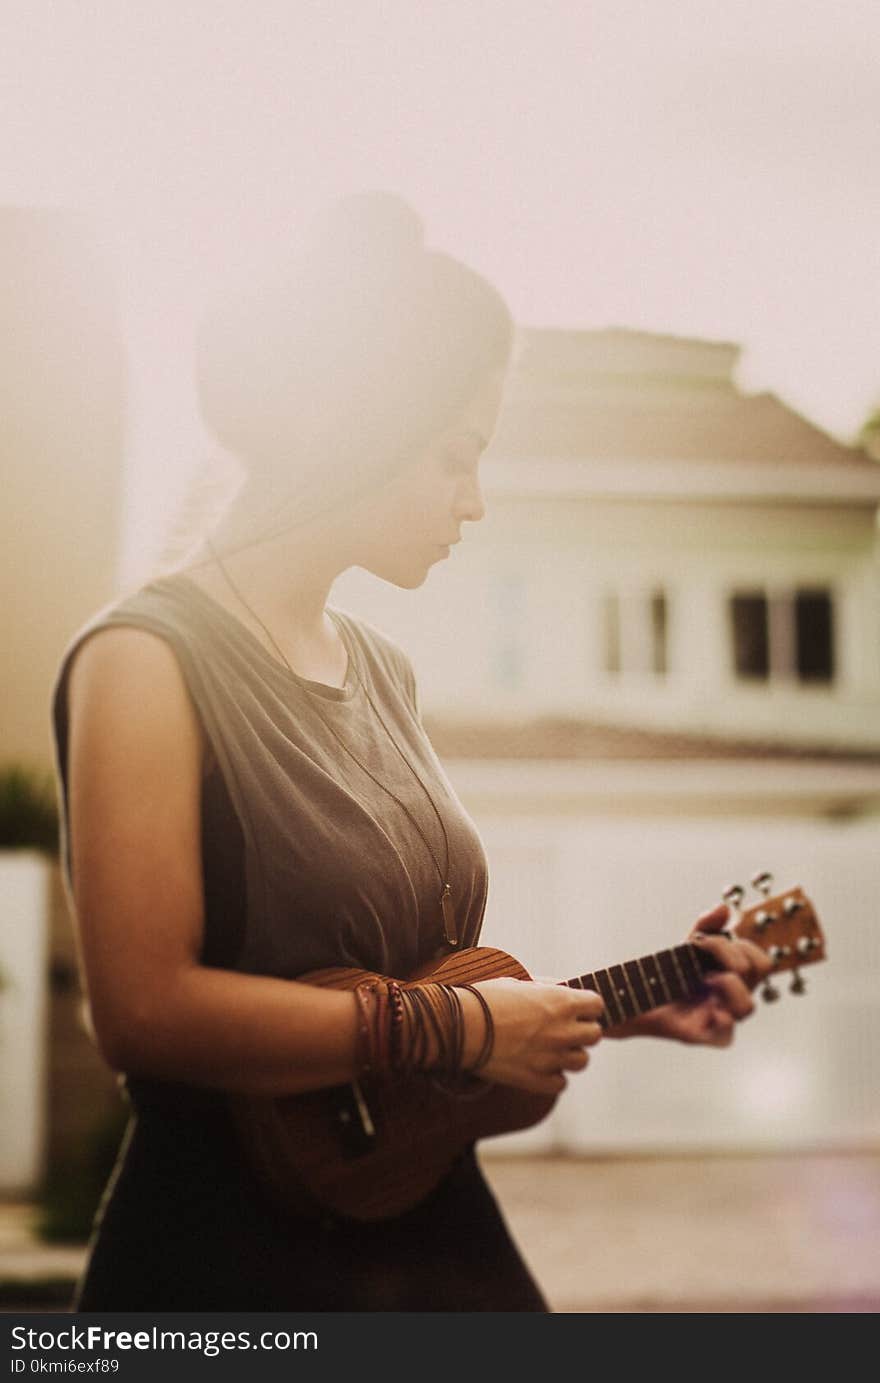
784	925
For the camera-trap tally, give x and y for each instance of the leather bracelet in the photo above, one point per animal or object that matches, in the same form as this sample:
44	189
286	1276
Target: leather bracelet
488	1046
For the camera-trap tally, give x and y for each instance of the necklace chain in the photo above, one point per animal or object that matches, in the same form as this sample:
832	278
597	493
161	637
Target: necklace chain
447	910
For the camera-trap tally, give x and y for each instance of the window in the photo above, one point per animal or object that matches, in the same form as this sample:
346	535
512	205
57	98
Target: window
784	635
814	636
634	632
750	642
658	632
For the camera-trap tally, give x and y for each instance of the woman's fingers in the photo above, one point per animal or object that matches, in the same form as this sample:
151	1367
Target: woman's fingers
714	919
720	1025
586	1005
732	993
546	1083
554	1084
575	1059
541	1031
743	966
572	1059
582	1034
742	958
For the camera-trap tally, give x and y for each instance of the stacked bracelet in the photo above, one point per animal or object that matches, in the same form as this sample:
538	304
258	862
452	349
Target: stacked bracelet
485	1051
402	1030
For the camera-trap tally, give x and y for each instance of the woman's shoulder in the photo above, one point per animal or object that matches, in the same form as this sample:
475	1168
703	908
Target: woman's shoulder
171	601
159	607
136	639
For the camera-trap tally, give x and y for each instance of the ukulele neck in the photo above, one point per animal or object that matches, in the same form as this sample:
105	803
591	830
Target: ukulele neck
637	986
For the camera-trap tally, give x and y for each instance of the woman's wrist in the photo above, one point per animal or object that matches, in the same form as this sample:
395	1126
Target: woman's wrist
479	1030
402	1029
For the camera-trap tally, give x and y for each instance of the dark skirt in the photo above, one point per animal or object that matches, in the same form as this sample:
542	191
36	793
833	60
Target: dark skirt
183	1225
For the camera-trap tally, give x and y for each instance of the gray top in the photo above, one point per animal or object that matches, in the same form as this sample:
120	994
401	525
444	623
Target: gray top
335	871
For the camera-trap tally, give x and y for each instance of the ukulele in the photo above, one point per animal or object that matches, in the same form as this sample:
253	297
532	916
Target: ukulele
369	1150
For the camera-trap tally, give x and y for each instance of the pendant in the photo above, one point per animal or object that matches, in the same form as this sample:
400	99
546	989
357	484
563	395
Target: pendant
450	927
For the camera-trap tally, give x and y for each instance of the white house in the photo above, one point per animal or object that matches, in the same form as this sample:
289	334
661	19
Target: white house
653	670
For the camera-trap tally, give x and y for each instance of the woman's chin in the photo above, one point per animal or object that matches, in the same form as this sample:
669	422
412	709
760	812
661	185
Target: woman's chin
407	575
411	580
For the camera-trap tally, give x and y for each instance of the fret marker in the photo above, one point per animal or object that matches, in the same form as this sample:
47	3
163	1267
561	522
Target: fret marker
621	992
652	982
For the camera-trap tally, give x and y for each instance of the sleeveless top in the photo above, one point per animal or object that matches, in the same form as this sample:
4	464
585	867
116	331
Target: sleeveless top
334	871
307	862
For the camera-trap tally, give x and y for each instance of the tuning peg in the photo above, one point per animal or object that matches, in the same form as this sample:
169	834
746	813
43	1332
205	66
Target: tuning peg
806	944
798	983
791	905
763	882
769	992
734	895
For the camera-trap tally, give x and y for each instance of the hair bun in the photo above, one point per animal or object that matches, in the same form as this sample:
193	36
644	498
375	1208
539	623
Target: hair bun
349	350
367	230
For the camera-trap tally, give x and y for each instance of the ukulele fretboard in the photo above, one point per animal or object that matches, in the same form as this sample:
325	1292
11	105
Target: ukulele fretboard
636	986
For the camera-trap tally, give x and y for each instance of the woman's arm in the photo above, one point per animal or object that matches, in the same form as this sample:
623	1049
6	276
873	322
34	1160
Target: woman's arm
134	821
135	847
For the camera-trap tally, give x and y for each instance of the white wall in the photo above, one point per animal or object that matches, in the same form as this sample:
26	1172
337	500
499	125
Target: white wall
24	912
570	894
535	571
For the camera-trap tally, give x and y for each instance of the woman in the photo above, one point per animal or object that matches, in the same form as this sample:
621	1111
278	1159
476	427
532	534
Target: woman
249	795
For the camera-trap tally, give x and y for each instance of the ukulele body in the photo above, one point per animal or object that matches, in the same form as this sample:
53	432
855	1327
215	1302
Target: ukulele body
371	1150
376	1149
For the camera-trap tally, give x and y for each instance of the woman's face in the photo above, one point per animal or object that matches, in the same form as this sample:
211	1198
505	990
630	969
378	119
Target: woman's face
414	520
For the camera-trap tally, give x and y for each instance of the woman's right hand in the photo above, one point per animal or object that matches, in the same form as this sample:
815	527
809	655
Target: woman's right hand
541	1032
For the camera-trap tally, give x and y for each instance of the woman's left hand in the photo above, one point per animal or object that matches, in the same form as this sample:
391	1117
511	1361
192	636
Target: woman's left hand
711	1019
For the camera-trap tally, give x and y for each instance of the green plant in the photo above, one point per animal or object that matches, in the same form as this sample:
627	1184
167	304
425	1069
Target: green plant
28	810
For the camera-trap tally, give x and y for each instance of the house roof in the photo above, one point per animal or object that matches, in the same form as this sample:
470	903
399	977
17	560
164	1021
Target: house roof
556	738
620	395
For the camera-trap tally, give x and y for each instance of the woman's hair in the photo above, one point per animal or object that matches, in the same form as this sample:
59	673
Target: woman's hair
325	370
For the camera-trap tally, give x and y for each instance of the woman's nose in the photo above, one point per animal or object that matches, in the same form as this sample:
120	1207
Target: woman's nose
470	504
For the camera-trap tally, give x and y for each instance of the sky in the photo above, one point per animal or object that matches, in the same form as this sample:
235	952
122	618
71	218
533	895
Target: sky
683	166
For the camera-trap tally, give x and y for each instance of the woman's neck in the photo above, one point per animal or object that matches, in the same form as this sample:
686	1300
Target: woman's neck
291	593
283	572
284	582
